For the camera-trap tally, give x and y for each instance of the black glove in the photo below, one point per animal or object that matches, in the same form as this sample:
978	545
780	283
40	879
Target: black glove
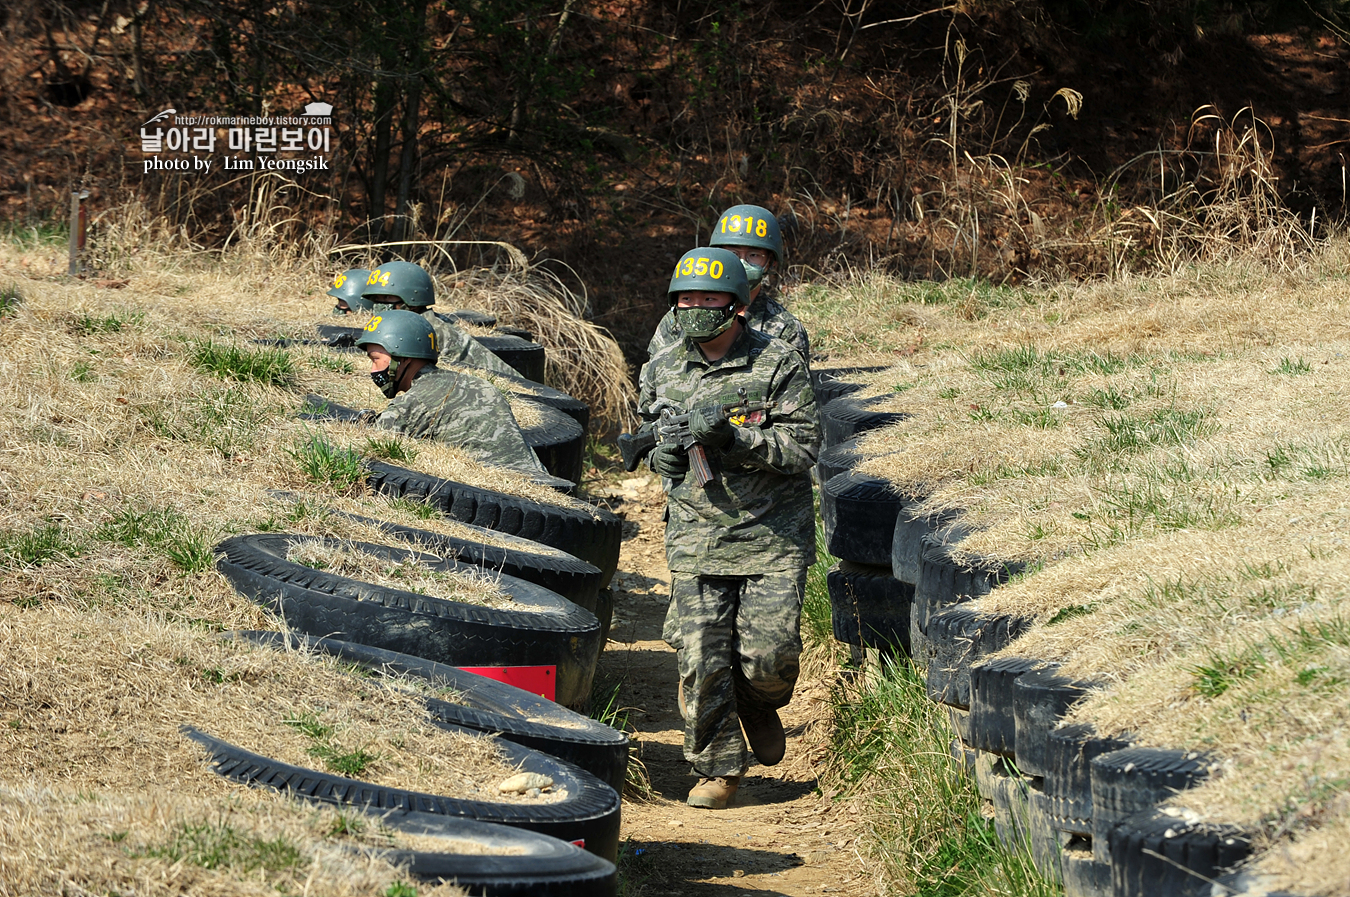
670	460
710	428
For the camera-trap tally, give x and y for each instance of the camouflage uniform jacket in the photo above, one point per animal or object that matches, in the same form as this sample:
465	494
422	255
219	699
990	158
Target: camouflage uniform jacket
457	347
464	412
757	515
765	314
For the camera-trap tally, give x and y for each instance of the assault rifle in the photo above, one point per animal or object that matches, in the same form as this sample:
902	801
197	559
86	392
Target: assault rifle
674	428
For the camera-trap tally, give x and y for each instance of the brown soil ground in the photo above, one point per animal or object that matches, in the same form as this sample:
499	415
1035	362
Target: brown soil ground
782	835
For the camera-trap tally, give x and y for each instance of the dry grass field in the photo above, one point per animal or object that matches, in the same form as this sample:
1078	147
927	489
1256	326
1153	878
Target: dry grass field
146	416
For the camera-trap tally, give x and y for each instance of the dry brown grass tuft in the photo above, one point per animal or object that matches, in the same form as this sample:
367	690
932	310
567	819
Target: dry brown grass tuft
582	359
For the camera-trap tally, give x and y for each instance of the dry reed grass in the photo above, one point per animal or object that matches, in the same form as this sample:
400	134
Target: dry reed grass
61	840
582	359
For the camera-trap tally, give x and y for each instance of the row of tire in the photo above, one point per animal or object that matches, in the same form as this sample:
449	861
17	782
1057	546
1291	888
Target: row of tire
1087	806
557	561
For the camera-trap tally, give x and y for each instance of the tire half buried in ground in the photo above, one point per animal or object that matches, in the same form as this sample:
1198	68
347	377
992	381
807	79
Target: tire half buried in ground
588	816
592	534
486	705
528	864
548	632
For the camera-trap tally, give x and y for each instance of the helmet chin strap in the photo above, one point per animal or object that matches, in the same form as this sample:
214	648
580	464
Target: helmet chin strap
387	380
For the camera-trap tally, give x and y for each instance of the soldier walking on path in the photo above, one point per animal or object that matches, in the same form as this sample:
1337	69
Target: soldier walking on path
432	403
738	546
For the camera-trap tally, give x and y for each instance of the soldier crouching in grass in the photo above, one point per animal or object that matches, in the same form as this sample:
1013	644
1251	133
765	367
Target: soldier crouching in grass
431	403
738	546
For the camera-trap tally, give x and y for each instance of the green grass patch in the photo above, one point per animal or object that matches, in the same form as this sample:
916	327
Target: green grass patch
266	365
10	300
326	464
38	545
164	530
1292	367
95	325
221	846
391	448
343	762
891	743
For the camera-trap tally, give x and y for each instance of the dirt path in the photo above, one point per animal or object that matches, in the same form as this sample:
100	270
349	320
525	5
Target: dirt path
781	836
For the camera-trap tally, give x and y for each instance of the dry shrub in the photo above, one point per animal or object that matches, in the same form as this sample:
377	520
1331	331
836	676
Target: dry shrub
582	359
1218	201
70	841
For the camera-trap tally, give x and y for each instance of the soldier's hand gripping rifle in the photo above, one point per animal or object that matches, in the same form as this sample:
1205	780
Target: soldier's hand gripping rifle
674	428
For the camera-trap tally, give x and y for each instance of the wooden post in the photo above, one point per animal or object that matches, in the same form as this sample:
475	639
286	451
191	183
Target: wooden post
74	267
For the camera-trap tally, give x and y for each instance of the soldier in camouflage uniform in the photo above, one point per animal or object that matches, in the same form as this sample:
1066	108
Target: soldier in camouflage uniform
752	232
431	403
737	548
404	285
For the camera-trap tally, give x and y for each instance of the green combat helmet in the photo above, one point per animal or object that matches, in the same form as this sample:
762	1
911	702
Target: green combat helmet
400	280
347	288
752	226
712	270
404	335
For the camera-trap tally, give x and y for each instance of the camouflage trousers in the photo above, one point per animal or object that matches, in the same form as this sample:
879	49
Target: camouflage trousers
740	641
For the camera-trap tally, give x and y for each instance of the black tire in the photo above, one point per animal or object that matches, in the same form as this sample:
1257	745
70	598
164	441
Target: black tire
846	417
837	459
829	387
576	580
593	535
963	756
518	332
957	639
869	607
486	705
589	814
1136	779
907	542
993	727
945	582
525	356
1154	854
859	512
316	407
558	440
1070	751
472	318
559	634
528	863
1046	842
1084	876
1039	701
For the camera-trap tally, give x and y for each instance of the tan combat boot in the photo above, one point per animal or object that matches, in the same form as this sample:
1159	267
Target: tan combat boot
764	731
714	793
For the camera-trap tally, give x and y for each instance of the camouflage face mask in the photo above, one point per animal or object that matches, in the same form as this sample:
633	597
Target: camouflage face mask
703	324
754	274
387	380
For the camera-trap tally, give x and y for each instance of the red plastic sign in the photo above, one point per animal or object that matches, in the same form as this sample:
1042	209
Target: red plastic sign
541	681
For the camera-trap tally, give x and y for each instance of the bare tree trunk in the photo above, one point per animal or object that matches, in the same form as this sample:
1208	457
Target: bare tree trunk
379	163
408	158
